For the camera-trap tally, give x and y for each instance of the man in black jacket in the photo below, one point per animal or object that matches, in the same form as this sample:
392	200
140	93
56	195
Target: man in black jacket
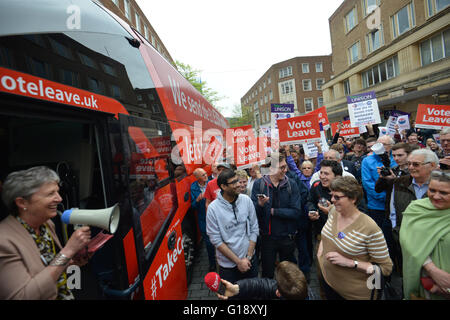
290	284
278	208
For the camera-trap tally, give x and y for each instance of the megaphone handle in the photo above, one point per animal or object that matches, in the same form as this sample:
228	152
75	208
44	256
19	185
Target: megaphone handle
77	226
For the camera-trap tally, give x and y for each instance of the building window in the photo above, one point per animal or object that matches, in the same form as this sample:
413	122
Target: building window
265	98
287	87
270	95
260	88
434	6
285	72
347	87
403	20
305	67
69	77
109	69
146	32
61	49
116	2
319	67
127	9
307	85
351	20
115	91
138	22
255	106
319	102
96	85
435	48
269	80
353	53
319	83
374	39
87	60
384	71
309	104
369	6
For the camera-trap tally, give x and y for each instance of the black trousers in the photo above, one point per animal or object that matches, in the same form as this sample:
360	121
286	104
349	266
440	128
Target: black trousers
270	247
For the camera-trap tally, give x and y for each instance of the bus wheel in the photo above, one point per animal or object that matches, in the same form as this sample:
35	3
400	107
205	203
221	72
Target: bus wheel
189	253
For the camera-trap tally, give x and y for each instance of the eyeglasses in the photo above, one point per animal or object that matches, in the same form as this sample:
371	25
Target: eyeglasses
337	198
416	164
233	182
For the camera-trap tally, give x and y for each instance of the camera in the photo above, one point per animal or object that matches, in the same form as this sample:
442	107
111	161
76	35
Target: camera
385	172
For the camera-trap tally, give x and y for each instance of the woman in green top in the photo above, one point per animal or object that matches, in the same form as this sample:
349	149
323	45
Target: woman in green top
425	241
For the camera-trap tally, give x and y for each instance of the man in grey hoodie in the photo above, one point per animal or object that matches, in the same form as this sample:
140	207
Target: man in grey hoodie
232	227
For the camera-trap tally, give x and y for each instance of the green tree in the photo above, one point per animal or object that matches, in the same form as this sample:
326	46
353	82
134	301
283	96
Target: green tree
193	76
240	116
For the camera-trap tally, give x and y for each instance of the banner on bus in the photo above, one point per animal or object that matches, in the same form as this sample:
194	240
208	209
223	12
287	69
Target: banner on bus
322	115
299	129
431	116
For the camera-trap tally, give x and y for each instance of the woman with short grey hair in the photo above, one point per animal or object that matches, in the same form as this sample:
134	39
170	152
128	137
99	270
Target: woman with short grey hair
31	268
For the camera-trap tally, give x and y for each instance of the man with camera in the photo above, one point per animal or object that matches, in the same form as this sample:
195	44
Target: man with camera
400	153
381	157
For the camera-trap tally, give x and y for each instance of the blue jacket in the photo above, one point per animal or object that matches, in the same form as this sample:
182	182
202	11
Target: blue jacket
201	205
286	216
369	177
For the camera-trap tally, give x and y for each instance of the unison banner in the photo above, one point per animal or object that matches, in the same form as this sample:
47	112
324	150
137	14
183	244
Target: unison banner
363	109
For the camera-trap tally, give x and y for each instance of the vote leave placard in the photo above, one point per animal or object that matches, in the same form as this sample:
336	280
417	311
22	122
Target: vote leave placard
430	116
322	115
299	129
346	129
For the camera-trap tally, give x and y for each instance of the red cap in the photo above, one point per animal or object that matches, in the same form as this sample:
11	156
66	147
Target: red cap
212	281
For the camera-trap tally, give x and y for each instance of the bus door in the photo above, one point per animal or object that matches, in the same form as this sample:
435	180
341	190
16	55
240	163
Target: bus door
153	246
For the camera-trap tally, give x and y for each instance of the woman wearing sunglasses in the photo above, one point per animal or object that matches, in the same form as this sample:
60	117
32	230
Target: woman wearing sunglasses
351	244
425	242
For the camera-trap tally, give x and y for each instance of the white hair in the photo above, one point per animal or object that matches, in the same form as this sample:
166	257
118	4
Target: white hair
24	184
428	155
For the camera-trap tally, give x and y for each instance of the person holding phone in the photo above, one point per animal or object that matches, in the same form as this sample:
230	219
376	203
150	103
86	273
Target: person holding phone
278	207
232	227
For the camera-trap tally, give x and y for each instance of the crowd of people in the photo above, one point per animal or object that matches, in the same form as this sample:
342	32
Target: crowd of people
368	203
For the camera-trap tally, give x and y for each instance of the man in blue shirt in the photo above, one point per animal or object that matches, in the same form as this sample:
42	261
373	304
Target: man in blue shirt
369	174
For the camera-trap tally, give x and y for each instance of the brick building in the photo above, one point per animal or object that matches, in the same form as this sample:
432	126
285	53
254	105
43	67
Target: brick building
399	49
296	81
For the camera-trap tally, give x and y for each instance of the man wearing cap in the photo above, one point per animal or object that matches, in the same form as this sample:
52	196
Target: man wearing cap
369	174
212	188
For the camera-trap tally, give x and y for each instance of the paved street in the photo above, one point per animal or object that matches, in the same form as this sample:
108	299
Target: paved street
198	291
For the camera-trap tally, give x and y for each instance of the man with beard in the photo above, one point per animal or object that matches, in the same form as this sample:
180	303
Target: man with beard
232	227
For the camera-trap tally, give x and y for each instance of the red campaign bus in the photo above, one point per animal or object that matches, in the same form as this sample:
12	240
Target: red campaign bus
85	94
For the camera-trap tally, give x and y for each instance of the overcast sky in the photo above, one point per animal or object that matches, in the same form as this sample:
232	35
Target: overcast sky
234	42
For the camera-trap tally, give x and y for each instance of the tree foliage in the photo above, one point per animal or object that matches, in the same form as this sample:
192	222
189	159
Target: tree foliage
193	76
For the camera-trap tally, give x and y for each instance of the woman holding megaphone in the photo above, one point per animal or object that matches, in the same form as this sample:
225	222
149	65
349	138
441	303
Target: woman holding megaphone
32	261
